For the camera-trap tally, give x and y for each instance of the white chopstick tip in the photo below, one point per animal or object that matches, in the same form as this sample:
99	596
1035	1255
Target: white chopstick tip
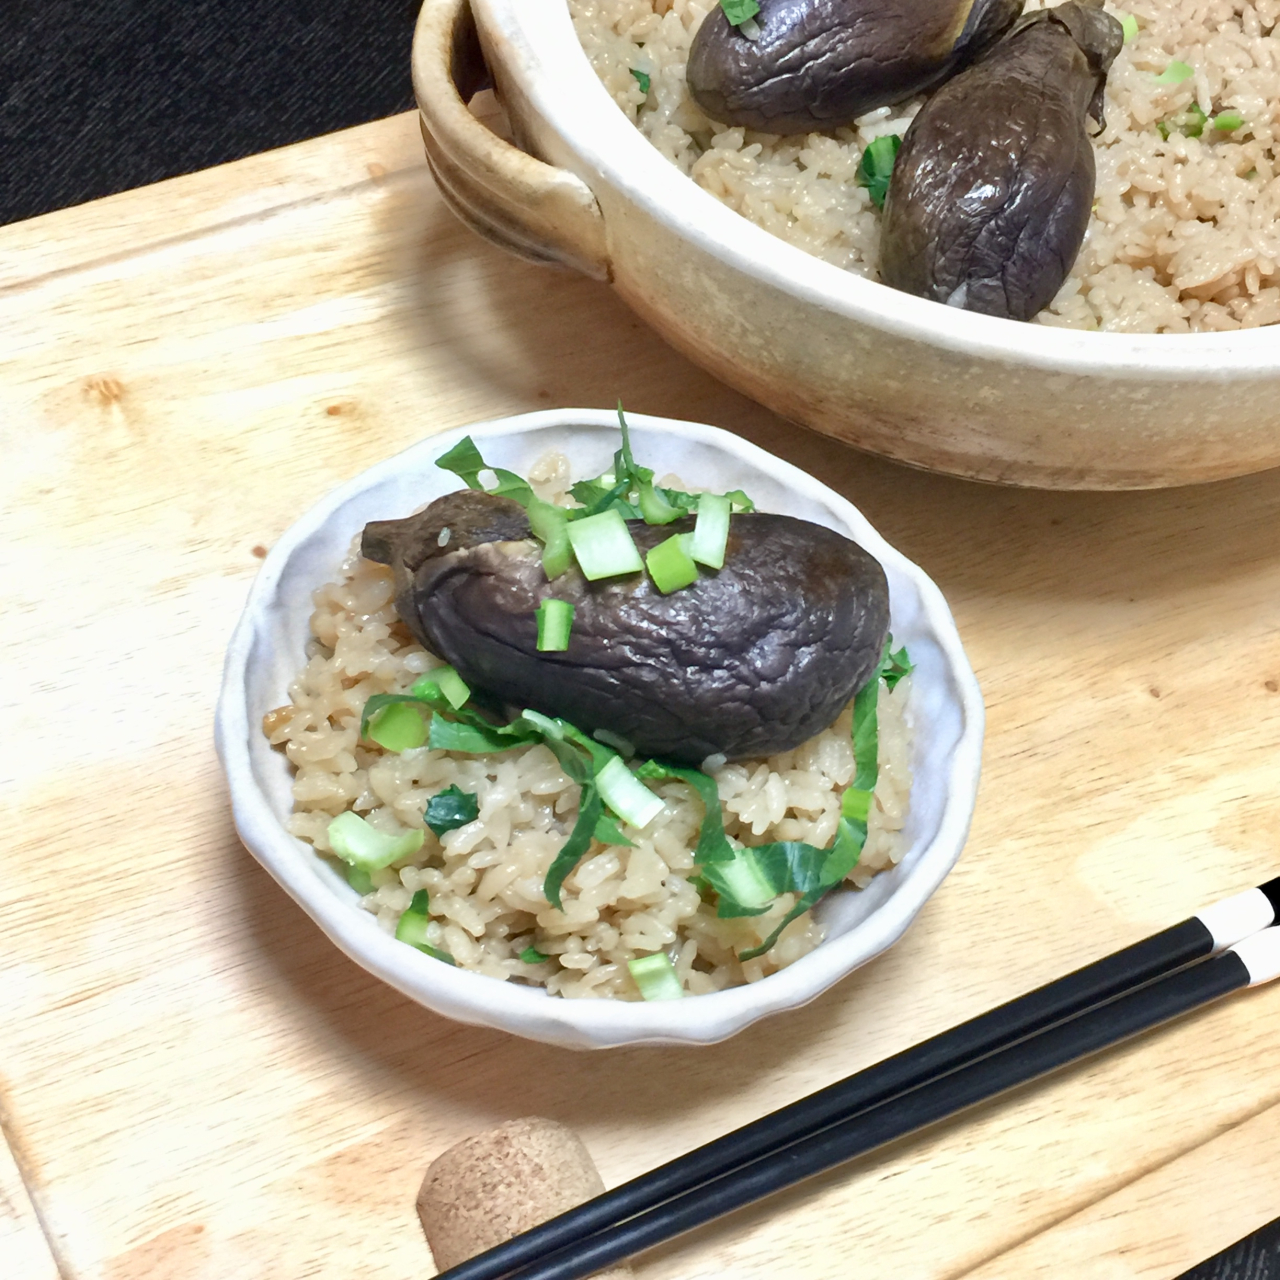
1238	917
1261	956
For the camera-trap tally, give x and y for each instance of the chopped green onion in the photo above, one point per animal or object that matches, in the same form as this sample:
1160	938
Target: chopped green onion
446	682
711	532
358	879
1228	121
1175	73
531	955
555	618
656	977
1129	25
412	927
626	795
604	547
398	727
608	832
739	11
876	166
745	880
550	525
670	565
450	809
642	79
356	842
654	506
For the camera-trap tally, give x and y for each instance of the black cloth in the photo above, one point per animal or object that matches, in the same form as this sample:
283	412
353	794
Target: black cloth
97	96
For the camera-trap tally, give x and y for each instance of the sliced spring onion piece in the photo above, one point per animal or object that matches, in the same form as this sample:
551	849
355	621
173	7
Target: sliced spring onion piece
670	565
745	880
615	740
656	977
711	531
876	166
750	28
412	927
398	727
550	525
450	809
626	795
642	79
1228	121
555	618
654	507
356	842
358	879
445	682
531	955
1129	25
1175	73
604	547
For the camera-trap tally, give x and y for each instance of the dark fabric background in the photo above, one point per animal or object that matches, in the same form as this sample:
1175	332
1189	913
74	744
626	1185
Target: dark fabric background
97	96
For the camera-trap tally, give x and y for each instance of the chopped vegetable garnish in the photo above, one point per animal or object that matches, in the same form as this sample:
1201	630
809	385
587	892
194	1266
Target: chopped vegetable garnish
670	565
739	11
451	686
1228	121
412	927
398	727
358	879
642	79
464	460
1129	25
356	842
1175	73
876	166
550	525
655	508
743	881
1190	123
555	619
626	795
531	955
450	809
604	547
711	532
656	977
608	832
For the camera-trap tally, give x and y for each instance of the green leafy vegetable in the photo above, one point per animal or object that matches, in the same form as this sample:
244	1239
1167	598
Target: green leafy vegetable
876	166
1190	123
608	832
1129	25
1228	121
445	682
604	547
550	525
656	977
367	848
359	879
398	726
642	79
451	808
626	795
1175	73
531	955
711	532
655	507
670	565
412	927
555	620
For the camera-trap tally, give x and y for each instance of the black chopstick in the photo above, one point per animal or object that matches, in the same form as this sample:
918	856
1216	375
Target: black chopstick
1213	929
1254	961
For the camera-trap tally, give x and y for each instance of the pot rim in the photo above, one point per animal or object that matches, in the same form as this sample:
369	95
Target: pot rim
537	46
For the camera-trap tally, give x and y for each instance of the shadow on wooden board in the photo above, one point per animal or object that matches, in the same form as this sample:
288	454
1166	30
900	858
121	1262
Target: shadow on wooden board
1257	1257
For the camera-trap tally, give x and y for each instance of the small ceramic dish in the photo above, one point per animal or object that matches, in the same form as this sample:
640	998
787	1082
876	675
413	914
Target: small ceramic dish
267	648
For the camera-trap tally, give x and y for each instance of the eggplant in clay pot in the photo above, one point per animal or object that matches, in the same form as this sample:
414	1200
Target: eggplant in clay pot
817	64
746	660
991	192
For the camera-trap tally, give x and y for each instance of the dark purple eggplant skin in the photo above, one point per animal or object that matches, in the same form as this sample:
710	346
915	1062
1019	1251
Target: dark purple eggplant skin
819	64
991	192
749	660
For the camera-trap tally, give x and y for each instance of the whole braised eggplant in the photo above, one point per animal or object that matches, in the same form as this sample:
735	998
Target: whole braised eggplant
818	64
991	192
752	659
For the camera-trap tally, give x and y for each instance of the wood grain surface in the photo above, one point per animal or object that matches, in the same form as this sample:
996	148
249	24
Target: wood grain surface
199	1085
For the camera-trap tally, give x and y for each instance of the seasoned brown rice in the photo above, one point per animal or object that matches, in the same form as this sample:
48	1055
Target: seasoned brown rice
1184	235
485	879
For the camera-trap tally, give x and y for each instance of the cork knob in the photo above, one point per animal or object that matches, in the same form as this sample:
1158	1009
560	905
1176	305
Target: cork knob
490	1187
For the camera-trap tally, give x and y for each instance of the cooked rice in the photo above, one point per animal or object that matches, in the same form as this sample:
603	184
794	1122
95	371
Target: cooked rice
1184	236
485	879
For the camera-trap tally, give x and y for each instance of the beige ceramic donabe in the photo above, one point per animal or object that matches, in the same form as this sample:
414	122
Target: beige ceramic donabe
927	384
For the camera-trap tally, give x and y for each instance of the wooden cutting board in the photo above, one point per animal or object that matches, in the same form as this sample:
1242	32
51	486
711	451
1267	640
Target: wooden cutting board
194	1083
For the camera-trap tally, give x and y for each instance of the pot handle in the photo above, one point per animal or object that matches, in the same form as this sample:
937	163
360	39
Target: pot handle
535	210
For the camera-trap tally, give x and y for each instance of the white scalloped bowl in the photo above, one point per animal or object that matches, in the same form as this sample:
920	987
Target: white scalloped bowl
267	648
